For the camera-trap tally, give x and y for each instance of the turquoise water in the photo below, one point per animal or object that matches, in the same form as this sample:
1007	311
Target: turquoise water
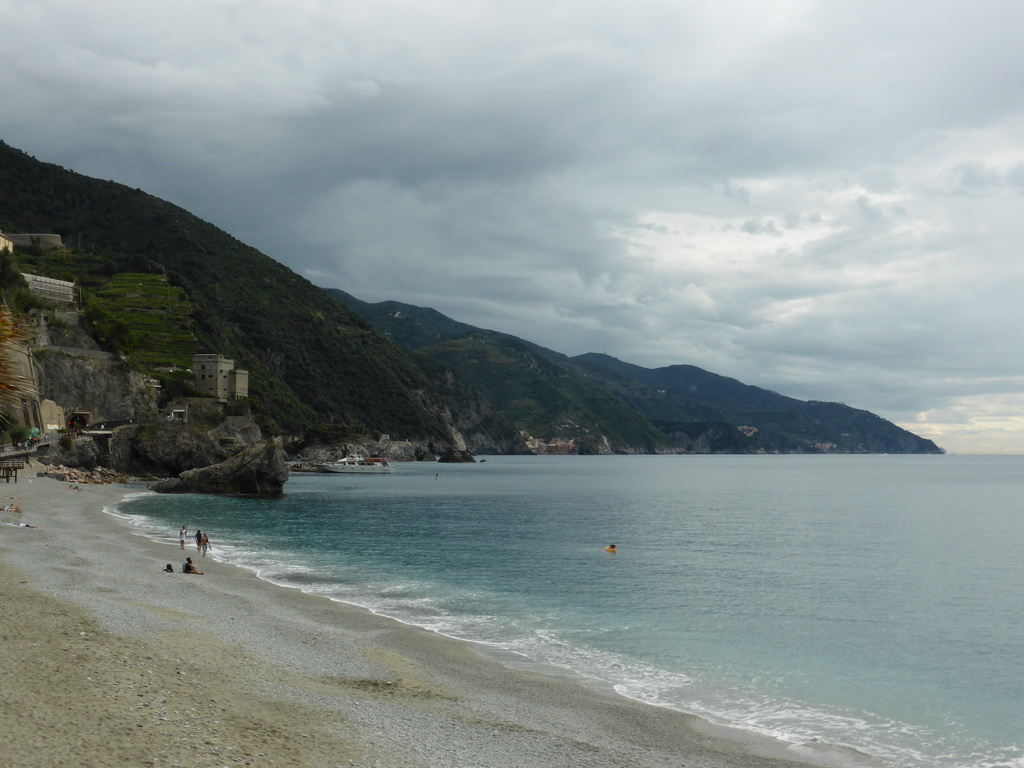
872	602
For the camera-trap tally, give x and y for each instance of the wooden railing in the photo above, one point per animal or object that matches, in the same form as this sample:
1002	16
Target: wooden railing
9	468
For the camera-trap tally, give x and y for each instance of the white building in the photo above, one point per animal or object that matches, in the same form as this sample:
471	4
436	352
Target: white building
58	291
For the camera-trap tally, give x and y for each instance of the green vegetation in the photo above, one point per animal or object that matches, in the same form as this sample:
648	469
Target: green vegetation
311	361
17	433
175	384
14	288
550	395
685	393
134	313
146	318
541	396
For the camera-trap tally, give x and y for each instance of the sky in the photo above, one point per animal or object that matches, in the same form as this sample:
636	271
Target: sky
822	198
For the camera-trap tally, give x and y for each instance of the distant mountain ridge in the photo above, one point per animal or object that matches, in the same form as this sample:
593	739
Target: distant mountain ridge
407	325
790	425
554	406
687	407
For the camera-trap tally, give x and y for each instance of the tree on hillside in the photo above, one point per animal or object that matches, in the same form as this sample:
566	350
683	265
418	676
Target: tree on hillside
10	277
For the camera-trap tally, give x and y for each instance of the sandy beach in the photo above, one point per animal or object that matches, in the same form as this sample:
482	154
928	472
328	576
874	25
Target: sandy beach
107	660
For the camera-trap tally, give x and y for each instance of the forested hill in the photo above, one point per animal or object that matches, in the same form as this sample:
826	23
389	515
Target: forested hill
681	393
532	387
311	361
681	406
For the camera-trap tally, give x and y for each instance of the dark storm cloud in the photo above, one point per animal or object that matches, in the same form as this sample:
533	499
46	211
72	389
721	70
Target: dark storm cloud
822	198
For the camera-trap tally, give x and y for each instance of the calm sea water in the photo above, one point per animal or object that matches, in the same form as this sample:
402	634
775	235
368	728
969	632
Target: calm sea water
872	602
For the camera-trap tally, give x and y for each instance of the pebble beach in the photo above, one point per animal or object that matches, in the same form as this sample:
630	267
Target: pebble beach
108	660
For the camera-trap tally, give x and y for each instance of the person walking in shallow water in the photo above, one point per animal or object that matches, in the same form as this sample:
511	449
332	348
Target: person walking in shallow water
199	540
181	536
205	544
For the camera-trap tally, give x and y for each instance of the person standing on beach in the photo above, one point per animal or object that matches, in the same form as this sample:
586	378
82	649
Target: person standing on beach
199	540
205	543
181	536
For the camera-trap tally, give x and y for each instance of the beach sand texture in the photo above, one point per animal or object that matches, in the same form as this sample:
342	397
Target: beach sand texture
108	661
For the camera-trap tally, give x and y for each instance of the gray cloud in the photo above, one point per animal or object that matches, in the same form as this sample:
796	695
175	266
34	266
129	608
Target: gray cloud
815	197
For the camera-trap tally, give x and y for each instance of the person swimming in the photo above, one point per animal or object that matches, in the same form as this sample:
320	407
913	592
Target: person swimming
610	548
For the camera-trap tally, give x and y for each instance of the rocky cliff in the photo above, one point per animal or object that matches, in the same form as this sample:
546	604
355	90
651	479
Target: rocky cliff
76	375
169	448
259	470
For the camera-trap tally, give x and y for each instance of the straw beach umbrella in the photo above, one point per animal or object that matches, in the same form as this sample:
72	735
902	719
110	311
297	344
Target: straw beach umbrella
14	385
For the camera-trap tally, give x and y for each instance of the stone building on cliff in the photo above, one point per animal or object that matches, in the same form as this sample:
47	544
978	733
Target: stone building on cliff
216	375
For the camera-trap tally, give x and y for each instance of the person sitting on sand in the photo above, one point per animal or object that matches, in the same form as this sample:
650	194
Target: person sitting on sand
189	568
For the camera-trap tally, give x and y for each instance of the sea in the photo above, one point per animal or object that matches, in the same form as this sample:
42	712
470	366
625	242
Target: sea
874	604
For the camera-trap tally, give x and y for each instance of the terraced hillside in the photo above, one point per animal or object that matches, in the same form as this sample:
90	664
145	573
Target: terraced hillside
128	301
158	314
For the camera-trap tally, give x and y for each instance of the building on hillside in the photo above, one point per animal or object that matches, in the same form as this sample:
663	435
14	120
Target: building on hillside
58	291
46	241
186	408
6	244
217	376
51	417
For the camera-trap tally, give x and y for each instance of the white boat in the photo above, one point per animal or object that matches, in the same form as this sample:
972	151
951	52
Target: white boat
357	465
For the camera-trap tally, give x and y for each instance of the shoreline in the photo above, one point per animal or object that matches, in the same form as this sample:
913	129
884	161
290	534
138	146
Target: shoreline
172	669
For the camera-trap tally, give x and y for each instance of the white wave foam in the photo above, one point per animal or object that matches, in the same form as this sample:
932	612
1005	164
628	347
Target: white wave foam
810	730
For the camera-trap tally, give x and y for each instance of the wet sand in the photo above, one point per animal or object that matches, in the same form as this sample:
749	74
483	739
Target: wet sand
109	661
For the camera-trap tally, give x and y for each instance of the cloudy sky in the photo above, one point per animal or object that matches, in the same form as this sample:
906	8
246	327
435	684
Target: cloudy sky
824	198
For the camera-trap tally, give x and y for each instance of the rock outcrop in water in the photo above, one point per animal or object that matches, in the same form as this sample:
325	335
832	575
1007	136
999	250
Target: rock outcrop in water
452	456
259	470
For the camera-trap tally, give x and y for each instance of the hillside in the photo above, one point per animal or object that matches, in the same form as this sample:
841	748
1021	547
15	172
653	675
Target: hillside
544	398
678	393
681	407
530	385
408	326
313	364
